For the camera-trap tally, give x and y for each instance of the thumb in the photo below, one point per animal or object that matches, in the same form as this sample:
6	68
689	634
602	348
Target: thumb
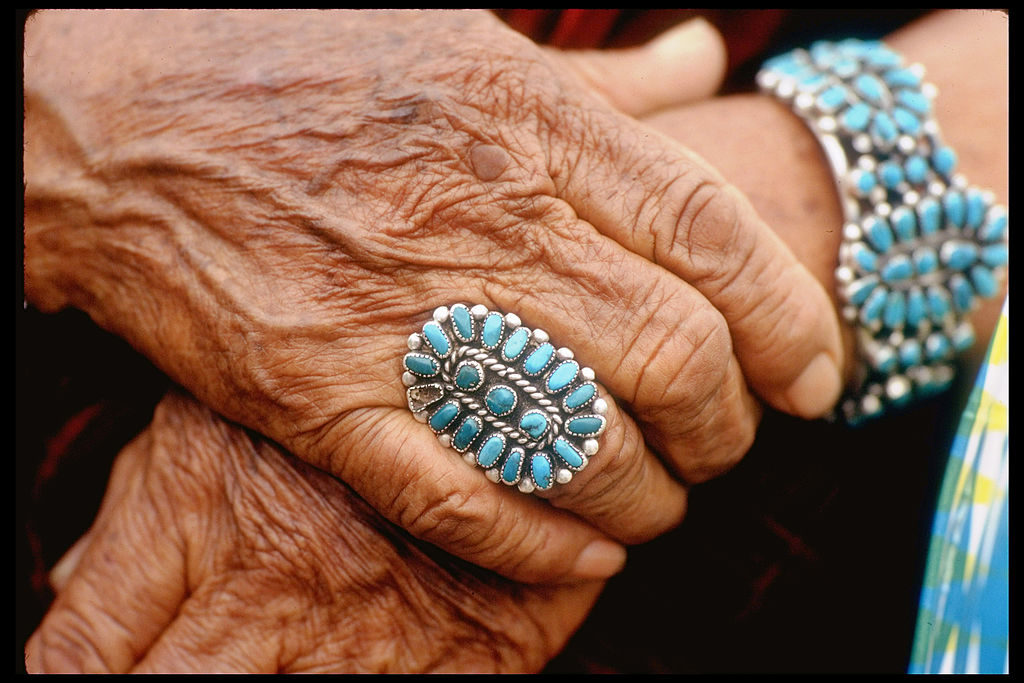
684	64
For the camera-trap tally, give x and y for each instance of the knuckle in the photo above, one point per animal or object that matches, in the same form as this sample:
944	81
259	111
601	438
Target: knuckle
684	363
705	235
455	519
615	491
719	447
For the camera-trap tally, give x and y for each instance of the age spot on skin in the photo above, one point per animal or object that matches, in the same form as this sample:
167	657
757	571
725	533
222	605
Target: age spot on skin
488	161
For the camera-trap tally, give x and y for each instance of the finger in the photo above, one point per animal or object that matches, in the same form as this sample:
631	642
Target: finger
684	64
123	474
400	468
658	346
655	342
114	602
671	207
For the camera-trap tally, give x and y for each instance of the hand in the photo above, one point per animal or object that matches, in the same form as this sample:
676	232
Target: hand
965	55
267	204
216	552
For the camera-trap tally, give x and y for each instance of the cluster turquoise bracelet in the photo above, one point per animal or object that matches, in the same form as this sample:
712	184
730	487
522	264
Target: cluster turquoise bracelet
920	245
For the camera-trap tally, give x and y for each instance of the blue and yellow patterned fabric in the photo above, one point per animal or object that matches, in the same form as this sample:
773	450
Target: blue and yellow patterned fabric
963	619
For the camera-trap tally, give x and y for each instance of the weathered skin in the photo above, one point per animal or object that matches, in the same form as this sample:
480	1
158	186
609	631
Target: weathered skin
267	204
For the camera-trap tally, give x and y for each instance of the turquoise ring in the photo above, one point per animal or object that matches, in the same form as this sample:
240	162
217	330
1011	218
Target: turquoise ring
920	245
503	396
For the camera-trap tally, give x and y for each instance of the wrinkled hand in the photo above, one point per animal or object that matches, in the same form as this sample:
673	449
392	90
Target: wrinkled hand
267	204
215	551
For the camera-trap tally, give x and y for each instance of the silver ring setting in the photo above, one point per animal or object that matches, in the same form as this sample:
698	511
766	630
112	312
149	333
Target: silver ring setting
503	396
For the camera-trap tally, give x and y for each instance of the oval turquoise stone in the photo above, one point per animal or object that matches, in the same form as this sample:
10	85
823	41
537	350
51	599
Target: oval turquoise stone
534	424
585	425
500	401
444	416
938	303
494	324
983	280
870	88
857	117
917	307
845	68
468	377
902	78
897	269
904	224
515	344
510	471
914	100
926	260
873	307
929	216
538	359
910	353
421	365
437	339
879	234
995	227
563	375
937	347
976	208
540	466
958	255
812	81
916	169
944	160
963	293
907	121
463	322
830	99
891	174
823	54
865	181
580	395
490	451
994	255
466	432
865	258
956	208
884	128
879	55
858	290
895	314
565	451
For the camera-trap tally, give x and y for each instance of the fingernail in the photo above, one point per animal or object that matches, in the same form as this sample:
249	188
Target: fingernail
66	565
599	560
680	38
817	388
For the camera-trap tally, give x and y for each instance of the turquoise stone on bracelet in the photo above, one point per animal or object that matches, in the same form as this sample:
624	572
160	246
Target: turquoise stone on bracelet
920	245
503	397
